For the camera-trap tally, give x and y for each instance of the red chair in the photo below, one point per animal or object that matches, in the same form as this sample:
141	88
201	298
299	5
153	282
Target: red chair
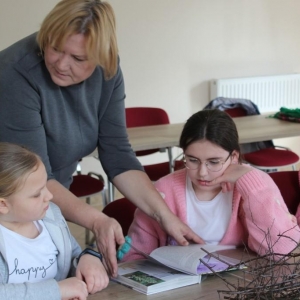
148	116
86	186
270	158
288	184
123	211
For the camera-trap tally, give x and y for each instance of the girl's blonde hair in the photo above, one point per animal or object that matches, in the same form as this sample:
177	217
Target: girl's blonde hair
16	163
92	18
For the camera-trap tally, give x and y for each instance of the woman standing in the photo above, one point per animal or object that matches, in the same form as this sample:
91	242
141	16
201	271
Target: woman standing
62	95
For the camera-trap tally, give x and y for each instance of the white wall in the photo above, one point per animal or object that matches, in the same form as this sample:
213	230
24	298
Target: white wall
171	49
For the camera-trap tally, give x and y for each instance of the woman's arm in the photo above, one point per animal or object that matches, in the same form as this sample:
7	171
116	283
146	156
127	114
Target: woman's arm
145	235
136	186
107	230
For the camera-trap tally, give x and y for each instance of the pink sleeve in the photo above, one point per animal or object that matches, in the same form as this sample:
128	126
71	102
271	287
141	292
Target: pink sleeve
298	209
266	213
145	232
146	235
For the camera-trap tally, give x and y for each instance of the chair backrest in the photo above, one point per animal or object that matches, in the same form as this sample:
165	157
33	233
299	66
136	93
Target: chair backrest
239	108
236	112
123	211
145	116
85	185
288	184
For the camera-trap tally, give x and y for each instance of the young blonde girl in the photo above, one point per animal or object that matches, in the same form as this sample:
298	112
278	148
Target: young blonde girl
221	199
37	251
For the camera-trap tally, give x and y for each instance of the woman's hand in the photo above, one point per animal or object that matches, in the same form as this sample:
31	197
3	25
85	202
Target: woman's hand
136	186
230	176
73	288
91	270
108	233
182	233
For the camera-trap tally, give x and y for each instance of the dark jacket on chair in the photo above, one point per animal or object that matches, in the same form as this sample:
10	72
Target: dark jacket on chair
250	108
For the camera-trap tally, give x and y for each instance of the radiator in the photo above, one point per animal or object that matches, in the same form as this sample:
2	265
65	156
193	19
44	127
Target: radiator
269	93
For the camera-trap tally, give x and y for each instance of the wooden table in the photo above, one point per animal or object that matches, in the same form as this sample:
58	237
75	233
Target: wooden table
258	272
250	129
207	289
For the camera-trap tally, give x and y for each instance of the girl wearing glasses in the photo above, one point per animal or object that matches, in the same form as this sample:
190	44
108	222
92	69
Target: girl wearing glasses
37	250
218	197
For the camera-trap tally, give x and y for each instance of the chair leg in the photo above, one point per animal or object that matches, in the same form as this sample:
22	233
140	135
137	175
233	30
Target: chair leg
87	232
92	242
180	156
170	154
104	197
111	191
88	241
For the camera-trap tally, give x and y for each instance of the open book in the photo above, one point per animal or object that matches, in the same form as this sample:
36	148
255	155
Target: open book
149	277
156	273
187	258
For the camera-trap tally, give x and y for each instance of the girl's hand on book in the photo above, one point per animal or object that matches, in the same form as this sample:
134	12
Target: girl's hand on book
91	270
73	288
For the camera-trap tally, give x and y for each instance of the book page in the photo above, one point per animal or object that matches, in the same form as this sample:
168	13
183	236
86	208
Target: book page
185	258
218	265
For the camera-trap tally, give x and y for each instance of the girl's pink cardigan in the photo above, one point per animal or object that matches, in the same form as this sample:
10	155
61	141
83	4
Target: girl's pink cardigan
258	210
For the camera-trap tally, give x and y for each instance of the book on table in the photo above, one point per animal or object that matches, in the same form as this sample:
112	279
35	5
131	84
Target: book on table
171	267
149	277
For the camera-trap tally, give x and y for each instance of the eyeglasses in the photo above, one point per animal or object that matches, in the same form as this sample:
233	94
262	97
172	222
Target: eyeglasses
214	165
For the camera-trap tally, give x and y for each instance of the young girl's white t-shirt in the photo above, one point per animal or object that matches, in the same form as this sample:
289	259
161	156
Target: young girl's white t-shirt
209	219
30	260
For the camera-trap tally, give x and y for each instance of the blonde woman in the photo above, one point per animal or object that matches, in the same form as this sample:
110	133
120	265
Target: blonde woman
62	95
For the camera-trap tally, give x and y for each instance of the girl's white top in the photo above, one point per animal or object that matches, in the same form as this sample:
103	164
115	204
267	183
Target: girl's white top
209	219
30	260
